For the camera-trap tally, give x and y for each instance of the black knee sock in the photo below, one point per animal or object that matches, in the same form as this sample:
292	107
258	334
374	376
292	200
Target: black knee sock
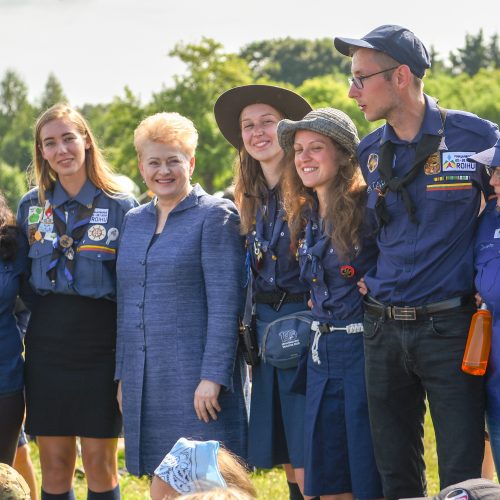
113	494
294	490
69	495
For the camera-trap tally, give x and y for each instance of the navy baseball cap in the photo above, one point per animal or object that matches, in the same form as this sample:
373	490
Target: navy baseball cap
395	41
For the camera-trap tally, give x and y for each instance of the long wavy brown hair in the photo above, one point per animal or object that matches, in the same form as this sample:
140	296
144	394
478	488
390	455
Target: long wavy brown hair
97	169
345	210
8	231
250	188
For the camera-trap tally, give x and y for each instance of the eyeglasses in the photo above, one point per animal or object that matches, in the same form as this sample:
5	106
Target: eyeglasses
493	172
357	81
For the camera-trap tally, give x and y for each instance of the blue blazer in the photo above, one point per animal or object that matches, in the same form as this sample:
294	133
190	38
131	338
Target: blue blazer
178	305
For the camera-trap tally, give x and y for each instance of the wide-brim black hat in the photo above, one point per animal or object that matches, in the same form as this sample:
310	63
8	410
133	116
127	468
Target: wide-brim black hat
229	105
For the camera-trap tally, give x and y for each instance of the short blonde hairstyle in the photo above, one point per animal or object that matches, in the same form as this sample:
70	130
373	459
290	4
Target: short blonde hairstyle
167	128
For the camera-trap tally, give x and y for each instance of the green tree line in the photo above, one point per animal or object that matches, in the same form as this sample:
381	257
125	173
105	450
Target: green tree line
469	79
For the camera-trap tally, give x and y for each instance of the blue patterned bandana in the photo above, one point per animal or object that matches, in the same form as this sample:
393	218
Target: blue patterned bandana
191	466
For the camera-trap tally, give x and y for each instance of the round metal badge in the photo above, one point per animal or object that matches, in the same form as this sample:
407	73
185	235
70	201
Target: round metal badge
65	241
96	232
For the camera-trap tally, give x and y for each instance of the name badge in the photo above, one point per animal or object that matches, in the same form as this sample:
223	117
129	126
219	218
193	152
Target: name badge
497	233
457	161
100	216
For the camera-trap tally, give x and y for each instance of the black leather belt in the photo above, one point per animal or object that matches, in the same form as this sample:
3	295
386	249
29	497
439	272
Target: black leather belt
277	299
406	313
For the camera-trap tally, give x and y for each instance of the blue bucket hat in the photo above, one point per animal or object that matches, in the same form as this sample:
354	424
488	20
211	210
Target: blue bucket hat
489	157
395	41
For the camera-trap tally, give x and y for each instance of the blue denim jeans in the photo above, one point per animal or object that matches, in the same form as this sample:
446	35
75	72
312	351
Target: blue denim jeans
407	361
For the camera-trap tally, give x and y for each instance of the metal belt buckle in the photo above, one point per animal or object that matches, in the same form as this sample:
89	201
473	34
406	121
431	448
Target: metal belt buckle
404	313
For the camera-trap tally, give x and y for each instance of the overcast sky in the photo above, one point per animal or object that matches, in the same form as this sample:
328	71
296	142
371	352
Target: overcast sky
96	47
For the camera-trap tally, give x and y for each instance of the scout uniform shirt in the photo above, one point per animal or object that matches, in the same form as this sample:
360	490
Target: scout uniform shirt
332	280
487	261
92	273
432	259
268	250
11	361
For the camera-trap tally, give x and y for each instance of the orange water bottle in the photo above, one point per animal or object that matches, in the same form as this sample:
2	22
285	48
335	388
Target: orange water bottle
478	345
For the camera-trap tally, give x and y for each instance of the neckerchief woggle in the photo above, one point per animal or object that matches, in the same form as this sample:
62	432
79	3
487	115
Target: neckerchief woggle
260	244
68	238
315	250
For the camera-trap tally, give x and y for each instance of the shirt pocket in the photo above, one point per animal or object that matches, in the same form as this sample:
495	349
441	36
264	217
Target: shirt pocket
452	204
40	255
95	271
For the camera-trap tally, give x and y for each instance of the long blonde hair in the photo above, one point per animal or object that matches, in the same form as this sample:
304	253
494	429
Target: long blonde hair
98	170
345	209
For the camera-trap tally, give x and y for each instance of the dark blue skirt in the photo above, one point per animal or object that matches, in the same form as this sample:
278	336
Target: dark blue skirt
338	451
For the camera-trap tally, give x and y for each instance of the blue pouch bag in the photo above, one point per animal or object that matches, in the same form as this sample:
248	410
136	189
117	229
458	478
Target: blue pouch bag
285	339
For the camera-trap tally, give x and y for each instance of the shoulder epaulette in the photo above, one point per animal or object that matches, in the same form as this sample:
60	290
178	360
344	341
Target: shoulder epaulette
470	122
31	195
370	139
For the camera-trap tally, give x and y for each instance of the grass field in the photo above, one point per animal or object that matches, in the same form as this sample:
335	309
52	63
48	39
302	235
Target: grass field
269	484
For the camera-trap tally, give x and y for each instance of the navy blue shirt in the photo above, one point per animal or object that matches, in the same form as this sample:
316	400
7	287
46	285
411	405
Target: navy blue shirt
276	267
95	254
332	280
432	260
487	260
11	361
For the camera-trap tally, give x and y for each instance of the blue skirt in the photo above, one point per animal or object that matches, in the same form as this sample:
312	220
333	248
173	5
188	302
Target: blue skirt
338	452
276	427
